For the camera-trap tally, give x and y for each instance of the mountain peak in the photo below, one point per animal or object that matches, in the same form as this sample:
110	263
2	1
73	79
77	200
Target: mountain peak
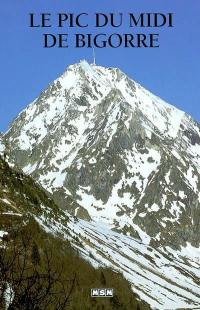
99	73
94	135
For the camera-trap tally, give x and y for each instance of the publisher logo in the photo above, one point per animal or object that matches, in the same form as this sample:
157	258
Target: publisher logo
102	292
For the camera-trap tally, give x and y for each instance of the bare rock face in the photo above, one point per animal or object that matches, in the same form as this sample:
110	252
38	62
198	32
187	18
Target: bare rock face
109	150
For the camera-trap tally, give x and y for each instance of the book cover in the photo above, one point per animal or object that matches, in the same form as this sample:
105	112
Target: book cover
99	155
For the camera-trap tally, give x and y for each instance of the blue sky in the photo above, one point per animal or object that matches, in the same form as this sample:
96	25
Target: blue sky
171	71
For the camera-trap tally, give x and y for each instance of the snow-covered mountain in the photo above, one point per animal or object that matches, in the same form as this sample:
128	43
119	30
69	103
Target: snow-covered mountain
112	153
127	157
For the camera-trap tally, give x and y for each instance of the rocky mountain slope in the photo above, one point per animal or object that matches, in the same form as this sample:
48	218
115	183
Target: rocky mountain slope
122	161
22	205
2	146
164	278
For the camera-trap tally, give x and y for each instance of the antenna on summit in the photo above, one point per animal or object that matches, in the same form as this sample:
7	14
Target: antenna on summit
94	58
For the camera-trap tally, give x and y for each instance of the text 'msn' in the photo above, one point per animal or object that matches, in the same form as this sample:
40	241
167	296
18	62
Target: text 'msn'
102	292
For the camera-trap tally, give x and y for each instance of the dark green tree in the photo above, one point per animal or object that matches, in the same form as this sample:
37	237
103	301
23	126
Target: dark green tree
35	255
102	278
